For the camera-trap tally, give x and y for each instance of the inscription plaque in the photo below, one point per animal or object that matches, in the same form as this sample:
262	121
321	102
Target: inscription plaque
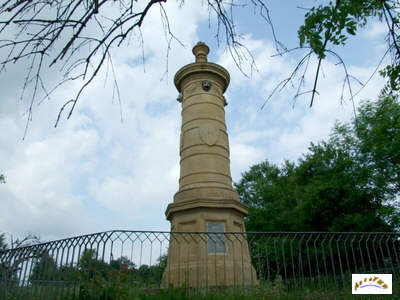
216	239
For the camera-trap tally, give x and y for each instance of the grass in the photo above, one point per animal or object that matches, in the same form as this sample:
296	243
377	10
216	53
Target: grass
275	290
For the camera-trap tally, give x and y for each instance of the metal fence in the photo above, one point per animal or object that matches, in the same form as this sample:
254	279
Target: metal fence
143	264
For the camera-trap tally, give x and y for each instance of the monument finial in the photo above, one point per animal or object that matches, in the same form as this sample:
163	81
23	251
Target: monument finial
200	51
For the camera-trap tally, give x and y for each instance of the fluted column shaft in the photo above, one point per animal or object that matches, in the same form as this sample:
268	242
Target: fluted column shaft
205	176
204	146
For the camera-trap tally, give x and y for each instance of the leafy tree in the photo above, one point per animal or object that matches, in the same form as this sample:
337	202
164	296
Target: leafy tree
332	23
2	178
153	274
122	264
9	264
78	36
265	188
67	273
378	139
45	269
3	244
90	266
348	183
3	247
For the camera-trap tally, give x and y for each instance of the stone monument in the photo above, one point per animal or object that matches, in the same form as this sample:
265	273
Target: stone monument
206	201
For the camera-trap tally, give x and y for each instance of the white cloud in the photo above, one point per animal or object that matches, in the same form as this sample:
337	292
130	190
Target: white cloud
375	30
39	194
242	156
284	128
64	181
95	173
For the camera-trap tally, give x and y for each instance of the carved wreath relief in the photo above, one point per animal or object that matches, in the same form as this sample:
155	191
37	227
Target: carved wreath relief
208	134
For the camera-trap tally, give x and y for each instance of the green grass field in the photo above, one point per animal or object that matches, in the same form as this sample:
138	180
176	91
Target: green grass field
323	289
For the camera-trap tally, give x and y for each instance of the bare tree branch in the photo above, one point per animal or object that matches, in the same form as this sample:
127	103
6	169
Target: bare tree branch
78	37
47	33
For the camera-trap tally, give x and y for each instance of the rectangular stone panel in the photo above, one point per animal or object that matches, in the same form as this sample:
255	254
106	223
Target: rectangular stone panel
216	241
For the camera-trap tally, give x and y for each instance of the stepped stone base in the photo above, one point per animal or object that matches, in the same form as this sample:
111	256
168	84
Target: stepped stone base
215	272
208	259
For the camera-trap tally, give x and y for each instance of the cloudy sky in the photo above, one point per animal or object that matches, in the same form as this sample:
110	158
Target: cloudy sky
116	165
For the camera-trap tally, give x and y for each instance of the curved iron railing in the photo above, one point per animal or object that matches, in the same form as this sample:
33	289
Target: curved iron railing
128	264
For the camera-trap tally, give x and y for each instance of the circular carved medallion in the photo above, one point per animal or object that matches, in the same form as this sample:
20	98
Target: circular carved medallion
208	134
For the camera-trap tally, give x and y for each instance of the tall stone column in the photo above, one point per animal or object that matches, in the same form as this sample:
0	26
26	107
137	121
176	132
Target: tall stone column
206	201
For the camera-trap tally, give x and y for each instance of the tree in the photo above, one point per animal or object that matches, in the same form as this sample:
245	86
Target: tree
3	244
77	37
2	178
45	269
3	247
348	183
122	264
153	274
90	266
10	262
268	191
332	23
377	129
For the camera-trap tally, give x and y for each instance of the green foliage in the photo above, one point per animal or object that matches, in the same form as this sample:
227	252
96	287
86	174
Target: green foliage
392	72
44	269
3	244
116	279
379	143
93	278
2	178
3	247
334	22
267	290
349	183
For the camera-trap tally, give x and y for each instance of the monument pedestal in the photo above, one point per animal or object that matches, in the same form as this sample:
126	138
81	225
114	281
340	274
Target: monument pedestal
208	258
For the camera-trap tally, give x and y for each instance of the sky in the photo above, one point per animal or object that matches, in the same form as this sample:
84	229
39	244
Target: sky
115	164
